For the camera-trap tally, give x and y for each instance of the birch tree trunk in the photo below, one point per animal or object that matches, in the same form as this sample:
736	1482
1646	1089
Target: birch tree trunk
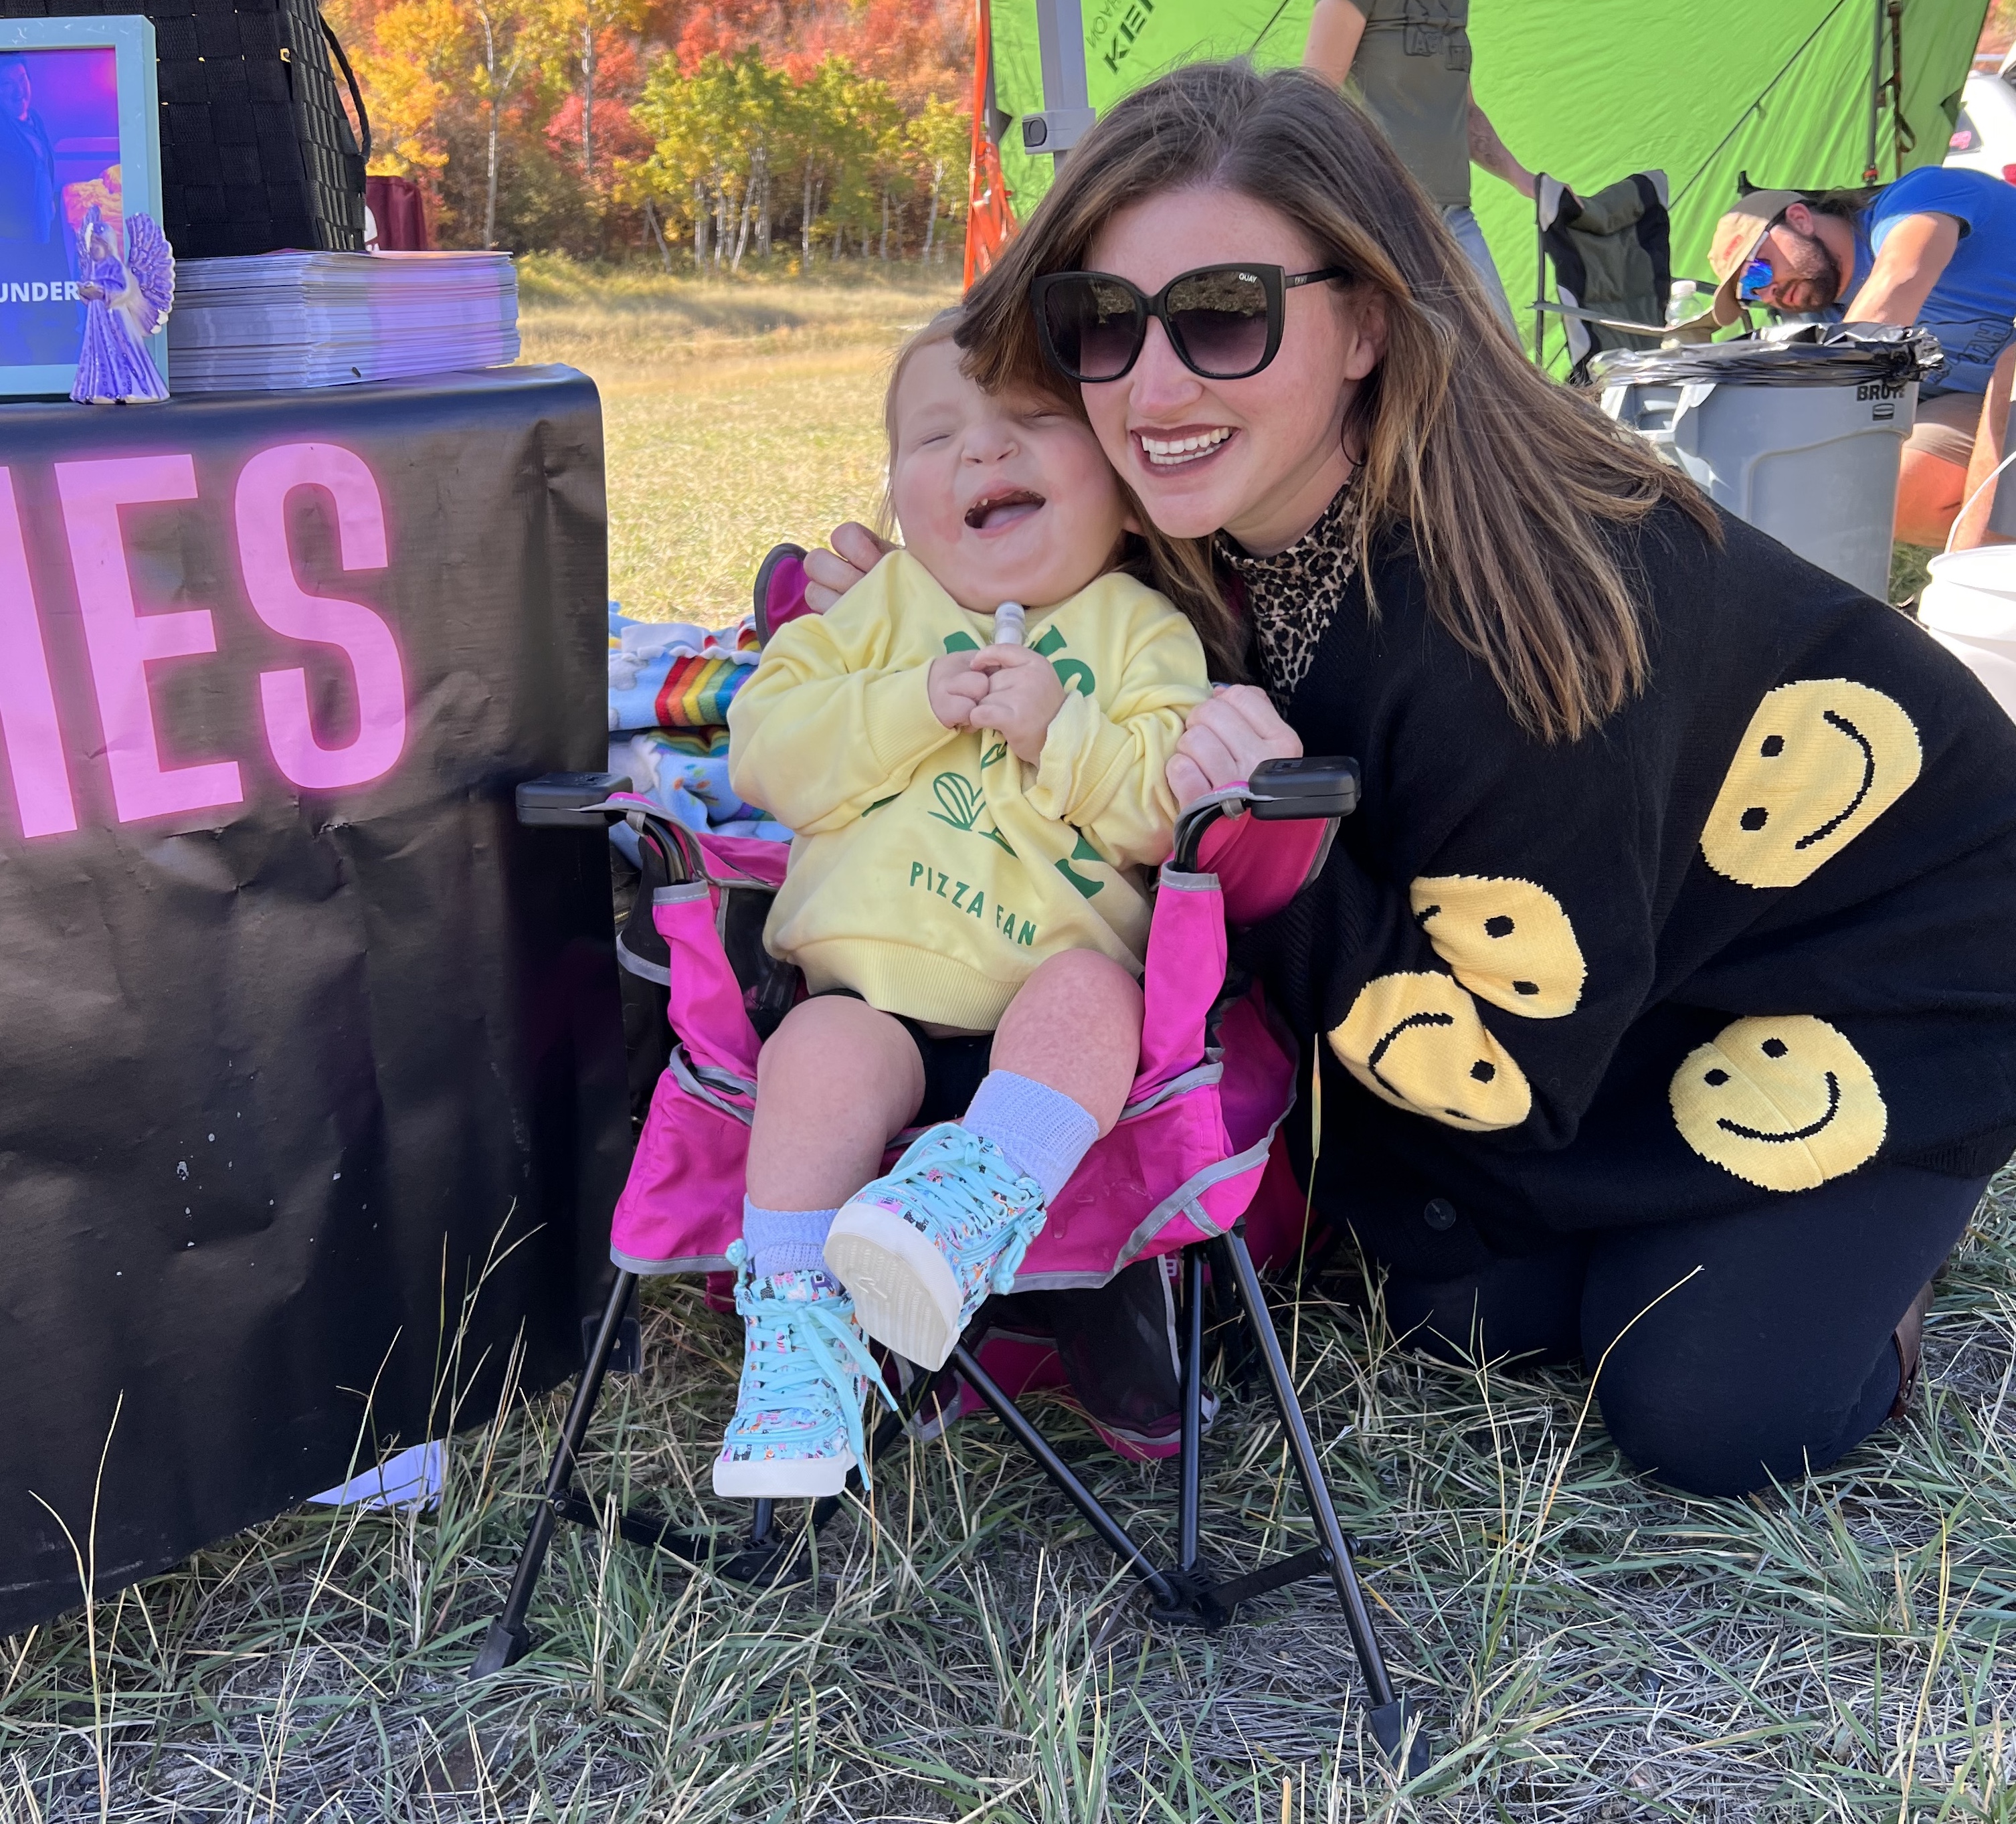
754	178
885	225
931	226
588	103
490	181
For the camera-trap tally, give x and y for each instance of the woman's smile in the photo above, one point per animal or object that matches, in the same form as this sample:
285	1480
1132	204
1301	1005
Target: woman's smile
1183	447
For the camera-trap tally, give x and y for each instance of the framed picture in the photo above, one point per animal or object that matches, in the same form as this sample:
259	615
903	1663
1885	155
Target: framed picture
79	125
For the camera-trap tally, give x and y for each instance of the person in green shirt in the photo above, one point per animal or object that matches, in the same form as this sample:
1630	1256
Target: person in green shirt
1408	62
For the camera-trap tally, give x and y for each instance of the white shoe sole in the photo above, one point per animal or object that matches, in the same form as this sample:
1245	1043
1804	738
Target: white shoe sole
904	1294
782	1478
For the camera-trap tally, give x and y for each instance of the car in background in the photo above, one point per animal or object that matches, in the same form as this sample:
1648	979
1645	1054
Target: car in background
1984	135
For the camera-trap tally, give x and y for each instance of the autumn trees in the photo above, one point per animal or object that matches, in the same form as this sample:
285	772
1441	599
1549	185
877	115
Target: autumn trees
701	132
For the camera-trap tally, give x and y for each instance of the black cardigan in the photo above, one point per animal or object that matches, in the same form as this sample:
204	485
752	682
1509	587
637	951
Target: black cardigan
1754	933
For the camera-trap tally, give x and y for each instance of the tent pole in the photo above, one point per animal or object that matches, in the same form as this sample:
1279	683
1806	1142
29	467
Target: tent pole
1066	104
1870	172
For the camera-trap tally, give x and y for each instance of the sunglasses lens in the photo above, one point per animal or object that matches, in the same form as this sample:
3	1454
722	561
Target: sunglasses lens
1095	327
1220	318
1756	280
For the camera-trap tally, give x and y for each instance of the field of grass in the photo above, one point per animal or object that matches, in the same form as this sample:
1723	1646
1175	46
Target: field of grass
737	415
1584	1646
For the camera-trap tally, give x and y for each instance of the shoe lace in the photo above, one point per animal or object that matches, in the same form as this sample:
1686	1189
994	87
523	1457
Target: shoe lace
828	1355
978	1181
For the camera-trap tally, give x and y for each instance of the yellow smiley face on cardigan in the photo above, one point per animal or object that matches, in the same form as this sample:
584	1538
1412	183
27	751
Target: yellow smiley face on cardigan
1821	760
1415	1040
1784	1102
1506	940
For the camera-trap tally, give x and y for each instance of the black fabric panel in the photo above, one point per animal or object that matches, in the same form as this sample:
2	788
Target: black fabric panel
281	1075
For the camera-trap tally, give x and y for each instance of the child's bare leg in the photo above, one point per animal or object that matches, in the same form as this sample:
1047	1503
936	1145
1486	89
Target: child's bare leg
1075	1028
834	1081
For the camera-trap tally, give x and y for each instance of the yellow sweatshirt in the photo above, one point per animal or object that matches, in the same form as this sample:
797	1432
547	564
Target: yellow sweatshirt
933	870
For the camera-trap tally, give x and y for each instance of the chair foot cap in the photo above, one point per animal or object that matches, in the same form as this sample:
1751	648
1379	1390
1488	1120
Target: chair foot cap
1389	1728
503	1646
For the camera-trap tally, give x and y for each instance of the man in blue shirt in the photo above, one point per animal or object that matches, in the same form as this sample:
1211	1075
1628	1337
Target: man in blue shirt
1936	248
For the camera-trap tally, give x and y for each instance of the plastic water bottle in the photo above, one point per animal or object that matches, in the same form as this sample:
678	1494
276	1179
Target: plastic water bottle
1680	302
1009	619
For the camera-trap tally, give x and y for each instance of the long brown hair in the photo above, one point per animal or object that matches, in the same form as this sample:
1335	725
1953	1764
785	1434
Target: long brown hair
1179	567
1507	484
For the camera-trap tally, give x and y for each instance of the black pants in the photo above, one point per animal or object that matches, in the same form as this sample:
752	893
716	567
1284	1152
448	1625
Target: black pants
1774	1358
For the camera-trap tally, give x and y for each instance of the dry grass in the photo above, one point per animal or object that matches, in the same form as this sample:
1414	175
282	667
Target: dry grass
1586	1647
738	414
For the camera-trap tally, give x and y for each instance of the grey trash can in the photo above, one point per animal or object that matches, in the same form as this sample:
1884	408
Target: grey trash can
1802	437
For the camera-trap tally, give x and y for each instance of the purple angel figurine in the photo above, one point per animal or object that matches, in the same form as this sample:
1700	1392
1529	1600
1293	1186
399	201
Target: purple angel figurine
125	302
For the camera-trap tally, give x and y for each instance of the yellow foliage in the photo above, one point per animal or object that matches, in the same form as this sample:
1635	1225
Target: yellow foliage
421	53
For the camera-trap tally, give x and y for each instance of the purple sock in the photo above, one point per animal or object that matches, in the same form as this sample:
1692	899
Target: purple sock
1043	1133
785	1241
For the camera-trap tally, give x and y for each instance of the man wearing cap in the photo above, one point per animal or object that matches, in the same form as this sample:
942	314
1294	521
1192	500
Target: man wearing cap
1408	63
1936	248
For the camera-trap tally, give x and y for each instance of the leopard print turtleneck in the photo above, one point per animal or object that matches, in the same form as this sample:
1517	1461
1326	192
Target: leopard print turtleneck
1291	597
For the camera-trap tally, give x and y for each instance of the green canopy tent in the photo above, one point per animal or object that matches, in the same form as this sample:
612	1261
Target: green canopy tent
1796	93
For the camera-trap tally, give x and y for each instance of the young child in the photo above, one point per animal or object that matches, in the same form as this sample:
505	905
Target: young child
963	897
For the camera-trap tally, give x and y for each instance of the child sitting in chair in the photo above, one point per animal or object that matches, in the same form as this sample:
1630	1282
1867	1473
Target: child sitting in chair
974	804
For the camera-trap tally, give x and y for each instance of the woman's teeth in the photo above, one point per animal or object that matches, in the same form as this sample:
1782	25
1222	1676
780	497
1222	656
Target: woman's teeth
1173	452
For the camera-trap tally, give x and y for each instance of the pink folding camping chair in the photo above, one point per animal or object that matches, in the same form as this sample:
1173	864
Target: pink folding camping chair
1176	1181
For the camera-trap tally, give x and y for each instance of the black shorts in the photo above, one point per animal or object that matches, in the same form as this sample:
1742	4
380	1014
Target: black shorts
953	1067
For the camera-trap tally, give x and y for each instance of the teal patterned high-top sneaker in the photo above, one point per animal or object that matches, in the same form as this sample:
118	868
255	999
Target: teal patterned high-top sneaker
805	1370
921	1248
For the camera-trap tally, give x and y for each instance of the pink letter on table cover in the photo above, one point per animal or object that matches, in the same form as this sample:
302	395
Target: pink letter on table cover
28	724
123	641
279	600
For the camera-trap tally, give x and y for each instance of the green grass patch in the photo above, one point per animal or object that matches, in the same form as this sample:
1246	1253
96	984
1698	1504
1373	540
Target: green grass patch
737	412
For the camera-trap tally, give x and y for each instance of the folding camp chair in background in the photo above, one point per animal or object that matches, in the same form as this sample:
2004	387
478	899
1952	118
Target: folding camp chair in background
1612	266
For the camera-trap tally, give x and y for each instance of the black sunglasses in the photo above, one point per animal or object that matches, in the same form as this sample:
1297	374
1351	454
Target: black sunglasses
1223	321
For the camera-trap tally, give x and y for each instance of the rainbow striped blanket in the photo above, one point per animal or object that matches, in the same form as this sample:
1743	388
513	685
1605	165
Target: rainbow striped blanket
670	675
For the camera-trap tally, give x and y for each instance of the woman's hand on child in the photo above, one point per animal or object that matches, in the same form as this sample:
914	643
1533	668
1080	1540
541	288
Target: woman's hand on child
1225	738
829	574
954	689
1023	695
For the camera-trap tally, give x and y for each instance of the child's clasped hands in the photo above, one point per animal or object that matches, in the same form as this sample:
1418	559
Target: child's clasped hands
1010	689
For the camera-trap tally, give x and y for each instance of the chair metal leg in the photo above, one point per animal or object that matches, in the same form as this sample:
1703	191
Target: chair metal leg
1389	1715
1032	1441
510	1639
1190	1464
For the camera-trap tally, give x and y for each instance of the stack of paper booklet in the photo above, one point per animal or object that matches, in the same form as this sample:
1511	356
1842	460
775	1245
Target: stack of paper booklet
268	320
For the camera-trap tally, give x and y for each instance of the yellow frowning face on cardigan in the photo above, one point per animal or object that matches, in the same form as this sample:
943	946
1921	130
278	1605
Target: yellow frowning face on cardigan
1414	1039
1821	760
1784	1102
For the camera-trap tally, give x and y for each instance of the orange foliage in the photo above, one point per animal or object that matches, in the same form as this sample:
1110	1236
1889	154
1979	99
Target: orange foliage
919	47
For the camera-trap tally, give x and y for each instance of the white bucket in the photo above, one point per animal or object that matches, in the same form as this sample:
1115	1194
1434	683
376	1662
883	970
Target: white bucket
1969	607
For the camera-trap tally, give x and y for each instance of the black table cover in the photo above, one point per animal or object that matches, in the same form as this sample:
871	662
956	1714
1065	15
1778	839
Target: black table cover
305	1045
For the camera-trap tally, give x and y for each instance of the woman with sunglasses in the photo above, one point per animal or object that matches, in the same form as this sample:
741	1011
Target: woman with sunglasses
1661	983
